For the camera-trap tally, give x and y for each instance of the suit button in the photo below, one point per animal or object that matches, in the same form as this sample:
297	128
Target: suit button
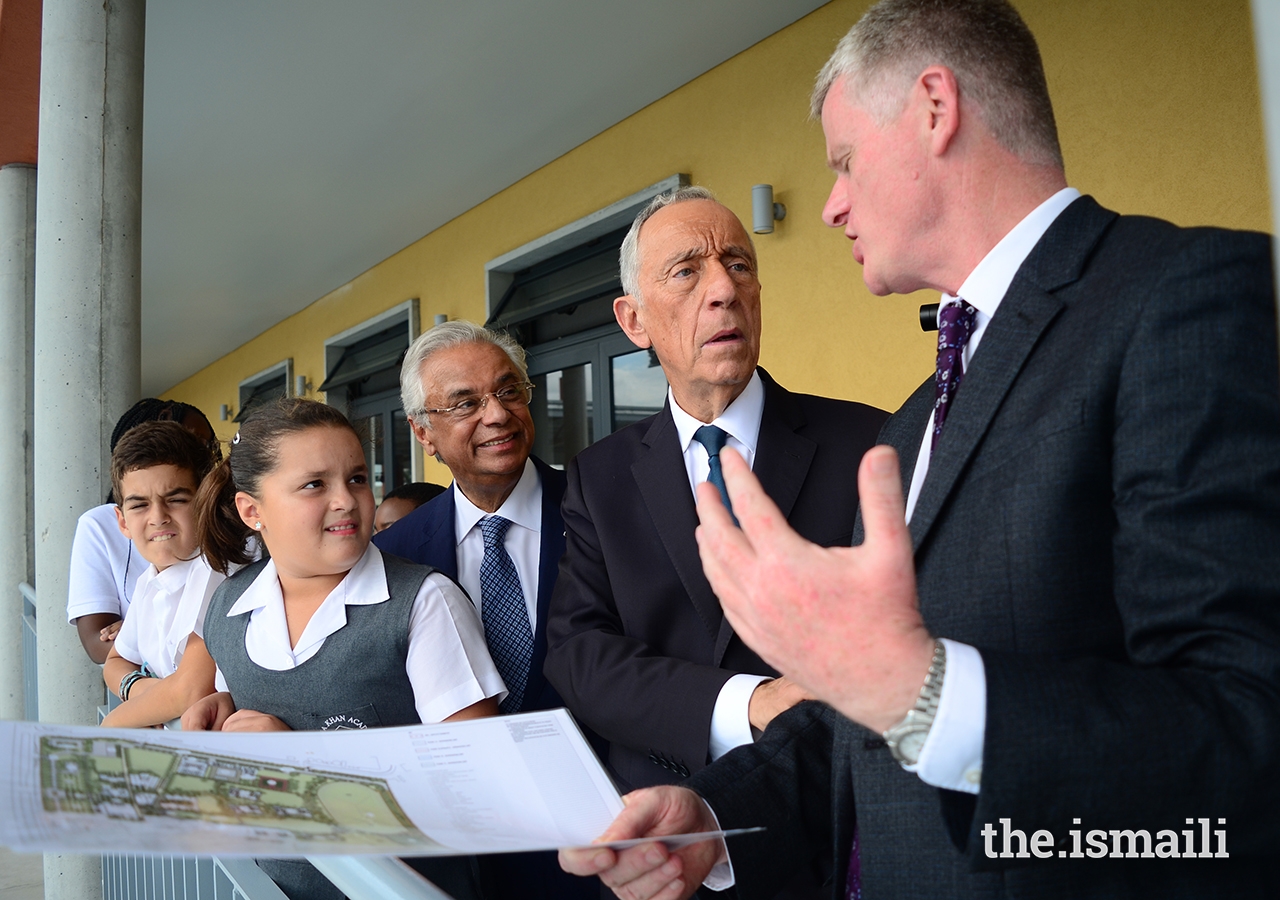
653	758
874	744
684	771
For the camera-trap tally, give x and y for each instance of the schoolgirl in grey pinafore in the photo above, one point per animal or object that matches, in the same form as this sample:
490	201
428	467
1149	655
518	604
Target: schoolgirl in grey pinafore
357	679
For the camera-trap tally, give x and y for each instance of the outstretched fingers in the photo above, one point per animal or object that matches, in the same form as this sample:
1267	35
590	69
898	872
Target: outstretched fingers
761	520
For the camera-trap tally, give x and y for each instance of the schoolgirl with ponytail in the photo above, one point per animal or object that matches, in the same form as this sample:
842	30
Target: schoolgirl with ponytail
325	632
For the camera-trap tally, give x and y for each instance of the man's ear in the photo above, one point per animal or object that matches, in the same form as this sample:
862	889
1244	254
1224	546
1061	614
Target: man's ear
248	509
423	435
936	88
626	309
124	529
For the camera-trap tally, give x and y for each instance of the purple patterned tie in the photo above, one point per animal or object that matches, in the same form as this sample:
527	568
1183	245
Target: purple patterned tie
853	881
955	326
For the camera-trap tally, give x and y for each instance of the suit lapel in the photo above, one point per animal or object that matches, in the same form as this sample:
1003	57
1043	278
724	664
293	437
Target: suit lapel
439	542
663	481
782	463
551	545
1027	310
782	456
1008	341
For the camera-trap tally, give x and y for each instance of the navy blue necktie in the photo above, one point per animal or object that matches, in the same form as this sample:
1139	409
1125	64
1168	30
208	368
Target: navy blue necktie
504	612
714	439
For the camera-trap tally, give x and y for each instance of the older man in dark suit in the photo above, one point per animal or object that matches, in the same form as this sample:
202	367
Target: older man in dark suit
497	531
637	644
1066	643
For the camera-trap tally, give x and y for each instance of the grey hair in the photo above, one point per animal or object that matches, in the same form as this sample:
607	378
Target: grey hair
445	335
629	255
985	44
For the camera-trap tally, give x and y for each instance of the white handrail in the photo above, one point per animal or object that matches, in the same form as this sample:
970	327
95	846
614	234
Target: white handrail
376	878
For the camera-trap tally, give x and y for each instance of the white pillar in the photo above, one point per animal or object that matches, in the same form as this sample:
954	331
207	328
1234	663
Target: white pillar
88	309
17	333
1266	39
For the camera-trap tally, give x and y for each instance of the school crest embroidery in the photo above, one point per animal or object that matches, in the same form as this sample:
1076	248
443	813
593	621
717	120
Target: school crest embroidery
342	722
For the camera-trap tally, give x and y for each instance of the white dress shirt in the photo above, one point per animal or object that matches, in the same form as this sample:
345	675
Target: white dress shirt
523	508
952	754
730	724
168	607
105	566
448	663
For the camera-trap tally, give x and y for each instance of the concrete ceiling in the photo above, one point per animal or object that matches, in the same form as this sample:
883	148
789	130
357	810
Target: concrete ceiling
290	145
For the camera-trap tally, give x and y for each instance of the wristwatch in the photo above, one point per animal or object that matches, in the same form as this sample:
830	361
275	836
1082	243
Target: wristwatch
906	739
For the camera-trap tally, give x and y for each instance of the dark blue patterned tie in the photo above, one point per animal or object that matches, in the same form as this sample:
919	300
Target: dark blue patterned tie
714	439
955	326
505	614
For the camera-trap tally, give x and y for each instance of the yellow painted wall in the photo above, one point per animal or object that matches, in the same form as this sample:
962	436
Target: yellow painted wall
1157	106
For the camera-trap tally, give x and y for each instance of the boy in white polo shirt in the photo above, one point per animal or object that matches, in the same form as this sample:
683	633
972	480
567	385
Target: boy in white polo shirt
159	665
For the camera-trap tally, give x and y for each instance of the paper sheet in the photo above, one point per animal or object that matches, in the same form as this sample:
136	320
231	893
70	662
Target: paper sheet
512	783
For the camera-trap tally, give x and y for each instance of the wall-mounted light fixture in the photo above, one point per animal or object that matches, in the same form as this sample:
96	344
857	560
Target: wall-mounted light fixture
440	319
224	412
764	212
301	385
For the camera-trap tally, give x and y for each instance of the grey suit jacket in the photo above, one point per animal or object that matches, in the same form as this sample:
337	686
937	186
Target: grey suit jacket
1101	520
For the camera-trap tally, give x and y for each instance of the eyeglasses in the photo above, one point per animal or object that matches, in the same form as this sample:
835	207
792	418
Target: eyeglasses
513	396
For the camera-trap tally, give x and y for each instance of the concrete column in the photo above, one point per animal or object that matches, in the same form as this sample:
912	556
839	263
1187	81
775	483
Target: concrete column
17	334
88	310
1266	37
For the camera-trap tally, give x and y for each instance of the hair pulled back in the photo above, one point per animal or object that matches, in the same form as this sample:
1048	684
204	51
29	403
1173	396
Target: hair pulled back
254	453
151	409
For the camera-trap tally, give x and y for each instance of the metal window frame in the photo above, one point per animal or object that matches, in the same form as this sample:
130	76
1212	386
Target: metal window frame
500	271
407	312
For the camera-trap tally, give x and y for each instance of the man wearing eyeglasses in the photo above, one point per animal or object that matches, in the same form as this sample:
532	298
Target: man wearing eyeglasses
497	530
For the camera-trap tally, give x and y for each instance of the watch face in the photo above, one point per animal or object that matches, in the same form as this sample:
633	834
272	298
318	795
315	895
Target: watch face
910	745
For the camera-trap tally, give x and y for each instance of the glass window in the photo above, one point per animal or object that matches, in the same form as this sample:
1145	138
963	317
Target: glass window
261	394
375	454
563	413
388	442
639	387
401	449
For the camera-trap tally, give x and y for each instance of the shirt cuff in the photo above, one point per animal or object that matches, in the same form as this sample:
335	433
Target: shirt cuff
721	877
730	723
952	753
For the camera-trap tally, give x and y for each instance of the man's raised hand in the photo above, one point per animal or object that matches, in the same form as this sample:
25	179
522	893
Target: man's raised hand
843	622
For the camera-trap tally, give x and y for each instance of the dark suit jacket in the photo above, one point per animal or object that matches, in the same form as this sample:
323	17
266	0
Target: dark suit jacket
638	646
427	536
1101	520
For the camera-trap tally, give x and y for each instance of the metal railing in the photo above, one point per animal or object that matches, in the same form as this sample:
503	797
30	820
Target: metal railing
185	878
31	696
218	878
212	877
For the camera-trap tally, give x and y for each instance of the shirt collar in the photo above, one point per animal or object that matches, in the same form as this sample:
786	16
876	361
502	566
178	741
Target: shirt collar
173	577
364	584
522	507
740	420
989	281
